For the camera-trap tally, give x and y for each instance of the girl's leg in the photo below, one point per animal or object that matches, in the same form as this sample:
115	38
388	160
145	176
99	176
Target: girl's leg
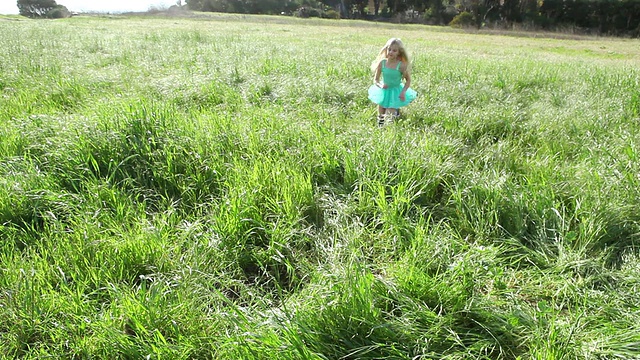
391	114
381	112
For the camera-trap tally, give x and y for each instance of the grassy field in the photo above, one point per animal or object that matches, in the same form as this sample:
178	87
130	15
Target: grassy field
217	188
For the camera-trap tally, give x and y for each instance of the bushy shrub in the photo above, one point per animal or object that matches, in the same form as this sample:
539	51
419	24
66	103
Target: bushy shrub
313	12
464	19
331	14
59	12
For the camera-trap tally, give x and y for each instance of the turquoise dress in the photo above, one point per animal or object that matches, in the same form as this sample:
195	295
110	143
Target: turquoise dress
389	98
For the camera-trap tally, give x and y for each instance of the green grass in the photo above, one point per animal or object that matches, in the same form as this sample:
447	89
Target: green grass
216	187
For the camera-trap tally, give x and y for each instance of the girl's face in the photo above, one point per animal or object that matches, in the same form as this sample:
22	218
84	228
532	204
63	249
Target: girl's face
393	52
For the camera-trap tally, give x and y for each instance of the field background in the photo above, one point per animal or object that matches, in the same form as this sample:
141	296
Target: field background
216	188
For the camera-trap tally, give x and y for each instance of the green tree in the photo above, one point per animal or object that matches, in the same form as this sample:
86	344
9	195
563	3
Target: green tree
212	5
511	11
36	8
195	5
376	7
435	10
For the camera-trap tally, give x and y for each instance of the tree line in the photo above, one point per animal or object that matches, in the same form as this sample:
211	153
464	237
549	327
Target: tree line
604	17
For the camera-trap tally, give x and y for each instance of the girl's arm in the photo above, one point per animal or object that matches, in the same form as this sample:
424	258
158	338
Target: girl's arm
407	77
376	78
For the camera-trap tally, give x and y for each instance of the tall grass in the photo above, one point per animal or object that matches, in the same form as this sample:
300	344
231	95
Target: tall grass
216	187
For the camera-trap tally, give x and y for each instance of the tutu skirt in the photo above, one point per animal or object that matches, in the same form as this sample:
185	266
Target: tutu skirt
389	98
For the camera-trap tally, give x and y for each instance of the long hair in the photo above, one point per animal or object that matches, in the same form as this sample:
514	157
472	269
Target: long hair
402	54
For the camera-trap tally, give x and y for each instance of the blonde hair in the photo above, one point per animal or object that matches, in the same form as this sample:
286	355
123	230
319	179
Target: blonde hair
402	54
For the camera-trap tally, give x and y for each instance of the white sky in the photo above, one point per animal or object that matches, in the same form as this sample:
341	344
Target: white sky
10	7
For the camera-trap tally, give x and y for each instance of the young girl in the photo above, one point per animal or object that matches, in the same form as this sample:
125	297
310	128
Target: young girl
390	94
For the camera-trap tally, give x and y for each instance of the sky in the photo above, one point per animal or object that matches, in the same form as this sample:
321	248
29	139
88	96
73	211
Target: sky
111	6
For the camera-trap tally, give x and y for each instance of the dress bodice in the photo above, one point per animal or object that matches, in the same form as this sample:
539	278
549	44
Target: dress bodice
392	76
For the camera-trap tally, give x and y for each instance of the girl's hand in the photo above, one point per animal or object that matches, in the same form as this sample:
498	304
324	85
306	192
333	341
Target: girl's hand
402	96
